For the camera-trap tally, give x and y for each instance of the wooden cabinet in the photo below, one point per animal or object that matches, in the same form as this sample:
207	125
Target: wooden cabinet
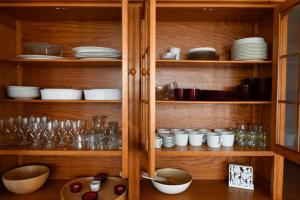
189	25
69	25
142	31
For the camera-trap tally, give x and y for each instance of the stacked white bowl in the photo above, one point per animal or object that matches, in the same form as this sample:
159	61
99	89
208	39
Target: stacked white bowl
23	92
103	94
61	94
253	48
93	52
167	137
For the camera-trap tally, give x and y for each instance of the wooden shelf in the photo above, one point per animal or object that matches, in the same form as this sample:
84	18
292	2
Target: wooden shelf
214	102
50	191
52	152
205	189
206	151
58	101
71	62
202	63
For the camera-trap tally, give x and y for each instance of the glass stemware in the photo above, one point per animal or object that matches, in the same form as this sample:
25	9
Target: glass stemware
35	133
49	134
24	131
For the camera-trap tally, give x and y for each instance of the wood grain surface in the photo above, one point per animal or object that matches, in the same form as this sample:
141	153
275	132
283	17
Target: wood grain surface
70	34
205	189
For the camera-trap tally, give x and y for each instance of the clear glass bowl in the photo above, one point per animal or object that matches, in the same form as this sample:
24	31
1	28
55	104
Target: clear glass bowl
41	48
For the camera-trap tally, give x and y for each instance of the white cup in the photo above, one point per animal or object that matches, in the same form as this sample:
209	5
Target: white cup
181	138
196	138
227	139
218	130
214	140
95	186
189	130
158	142
204	130
176	51
173	130
162	129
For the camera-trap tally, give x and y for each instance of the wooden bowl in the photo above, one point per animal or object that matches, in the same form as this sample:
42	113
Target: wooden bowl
25	180
106	189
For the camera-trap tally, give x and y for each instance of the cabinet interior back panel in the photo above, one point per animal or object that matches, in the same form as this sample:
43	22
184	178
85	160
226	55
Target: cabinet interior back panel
70	34
206	115
188	35
73	77
204	77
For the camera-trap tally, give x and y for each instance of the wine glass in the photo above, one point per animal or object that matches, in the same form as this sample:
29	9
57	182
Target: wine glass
24	130
10	129
35	133
61	131
49	134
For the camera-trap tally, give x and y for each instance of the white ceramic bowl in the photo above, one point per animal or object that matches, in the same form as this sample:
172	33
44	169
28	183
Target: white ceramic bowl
103	94
61	94
179	181
25	180
250	40
23	92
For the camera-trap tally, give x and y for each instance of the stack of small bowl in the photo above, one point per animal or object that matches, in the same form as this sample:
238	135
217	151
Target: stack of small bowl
254	48
168	139
23	92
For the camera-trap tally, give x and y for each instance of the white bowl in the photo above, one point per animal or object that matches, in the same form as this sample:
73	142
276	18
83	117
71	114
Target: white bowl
250	40
103	94
179	181
25	180
22	88
61	94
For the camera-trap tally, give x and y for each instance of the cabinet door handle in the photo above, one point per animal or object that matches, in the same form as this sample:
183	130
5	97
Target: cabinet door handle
132	71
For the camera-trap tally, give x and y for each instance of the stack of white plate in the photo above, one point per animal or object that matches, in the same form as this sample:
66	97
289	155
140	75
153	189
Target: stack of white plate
23	92
92	52
254	48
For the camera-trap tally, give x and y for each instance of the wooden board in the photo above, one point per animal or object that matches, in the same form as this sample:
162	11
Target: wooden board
206	116
70	34
66	167
73	111
206	151
70	77
205	189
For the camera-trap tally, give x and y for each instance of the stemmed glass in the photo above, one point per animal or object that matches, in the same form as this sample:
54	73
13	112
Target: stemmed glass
24	131
77	128
35	133
49	134
61	131
10	129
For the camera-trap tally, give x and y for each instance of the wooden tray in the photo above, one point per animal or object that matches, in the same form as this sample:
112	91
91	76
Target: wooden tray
106	190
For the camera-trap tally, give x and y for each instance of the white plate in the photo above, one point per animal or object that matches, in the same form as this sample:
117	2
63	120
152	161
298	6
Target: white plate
40	57
100	58
202	49
94	49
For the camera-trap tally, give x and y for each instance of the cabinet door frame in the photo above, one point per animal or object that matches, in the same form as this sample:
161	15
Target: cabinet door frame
148	70
282	18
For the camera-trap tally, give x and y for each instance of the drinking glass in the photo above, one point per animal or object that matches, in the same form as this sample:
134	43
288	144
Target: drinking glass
10	129
35	133
263	137
252	135
242	135
24	130
49	134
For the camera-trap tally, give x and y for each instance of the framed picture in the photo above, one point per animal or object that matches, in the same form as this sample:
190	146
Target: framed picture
241	177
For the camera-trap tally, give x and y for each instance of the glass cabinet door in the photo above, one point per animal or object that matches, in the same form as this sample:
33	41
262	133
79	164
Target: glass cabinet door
288	137
148	86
